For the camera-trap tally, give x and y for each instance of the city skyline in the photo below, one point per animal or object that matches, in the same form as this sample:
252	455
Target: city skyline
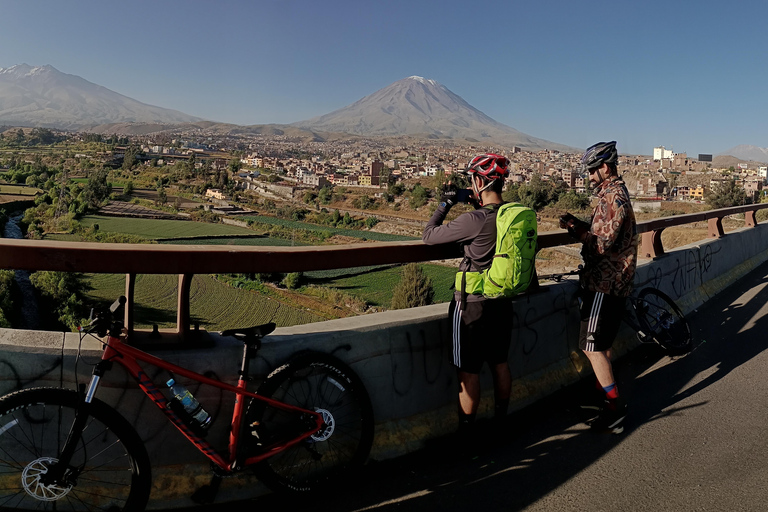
686	76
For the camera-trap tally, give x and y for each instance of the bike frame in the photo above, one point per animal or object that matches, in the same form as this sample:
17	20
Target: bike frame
116	351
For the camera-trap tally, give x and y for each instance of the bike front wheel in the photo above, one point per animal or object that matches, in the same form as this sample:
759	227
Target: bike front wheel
321	383
109	469
662	320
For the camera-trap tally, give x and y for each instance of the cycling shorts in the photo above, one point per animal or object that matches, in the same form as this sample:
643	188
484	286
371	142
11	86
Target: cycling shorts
482	332
601	316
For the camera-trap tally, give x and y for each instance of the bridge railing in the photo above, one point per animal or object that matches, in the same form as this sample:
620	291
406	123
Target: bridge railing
186	260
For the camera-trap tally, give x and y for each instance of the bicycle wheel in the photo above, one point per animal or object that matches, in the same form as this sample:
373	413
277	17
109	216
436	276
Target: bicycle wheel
321	383
660	317
109	470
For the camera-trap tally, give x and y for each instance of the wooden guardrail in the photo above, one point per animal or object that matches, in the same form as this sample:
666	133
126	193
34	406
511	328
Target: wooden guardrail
188	260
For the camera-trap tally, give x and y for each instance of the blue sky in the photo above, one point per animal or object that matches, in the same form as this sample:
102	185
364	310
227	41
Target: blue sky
689	75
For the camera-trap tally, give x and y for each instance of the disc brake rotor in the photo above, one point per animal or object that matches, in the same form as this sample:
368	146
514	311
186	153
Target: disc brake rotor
327	430
31	480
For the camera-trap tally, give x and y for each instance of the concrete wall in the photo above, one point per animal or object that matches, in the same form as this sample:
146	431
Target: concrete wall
403	358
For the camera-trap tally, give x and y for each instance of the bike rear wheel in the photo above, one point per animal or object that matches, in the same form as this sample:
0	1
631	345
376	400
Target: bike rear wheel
109	469
320	383
663	321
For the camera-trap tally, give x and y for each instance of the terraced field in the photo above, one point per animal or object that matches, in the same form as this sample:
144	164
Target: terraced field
213	304
216	306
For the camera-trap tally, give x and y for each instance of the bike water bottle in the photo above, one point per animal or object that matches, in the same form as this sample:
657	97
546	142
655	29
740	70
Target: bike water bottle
190	404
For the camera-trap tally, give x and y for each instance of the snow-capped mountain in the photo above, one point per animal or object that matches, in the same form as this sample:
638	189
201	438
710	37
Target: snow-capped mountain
419	106
45	97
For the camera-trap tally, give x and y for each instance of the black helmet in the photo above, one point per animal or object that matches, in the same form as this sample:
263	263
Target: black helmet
599	154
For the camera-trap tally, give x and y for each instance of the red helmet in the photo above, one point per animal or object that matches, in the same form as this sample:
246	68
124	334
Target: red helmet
490	166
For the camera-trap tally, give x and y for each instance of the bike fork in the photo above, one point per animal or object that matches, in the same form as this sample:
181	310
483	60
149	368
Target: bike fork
57	472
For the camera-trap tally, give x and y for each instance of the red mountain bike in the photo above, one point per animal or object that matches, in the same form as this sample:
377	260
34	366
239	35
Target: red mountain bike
310	422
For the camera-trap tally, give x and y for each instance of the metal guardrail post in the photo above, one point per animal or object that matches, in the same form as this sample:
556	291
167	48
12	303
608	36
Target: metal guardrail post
650	244
182	306
715	225
130	287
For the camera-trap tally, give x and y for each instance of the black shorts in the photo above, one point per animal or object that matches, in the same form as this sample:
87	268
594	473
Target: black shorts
601	316
482	332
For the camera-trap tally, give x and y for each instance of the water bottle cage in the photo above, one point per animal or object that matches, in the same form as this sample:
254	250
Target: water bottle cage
186	418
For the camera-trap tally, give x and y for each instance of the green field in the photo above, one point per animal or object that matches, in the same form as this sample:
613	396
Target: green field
376	285
162	228
259	242
216	305
213	304
357	233
19	190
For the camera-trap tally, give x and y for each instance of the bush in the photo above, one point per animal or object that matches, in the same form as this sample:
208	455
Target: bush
293	280
414	289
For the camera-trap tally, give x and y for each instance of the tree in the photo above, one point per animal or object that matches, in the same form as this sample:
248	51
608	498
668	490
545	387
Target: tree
97	189
418	196
162	197
63	293
537	193
725	194
130	159
572	201
235	166
414	289
292	280
325	195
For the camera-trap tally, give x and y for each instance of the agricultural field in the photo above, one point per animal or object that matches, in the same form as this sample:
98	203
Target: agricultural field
355	233
213	304
376	284
19	190
257	242
161	228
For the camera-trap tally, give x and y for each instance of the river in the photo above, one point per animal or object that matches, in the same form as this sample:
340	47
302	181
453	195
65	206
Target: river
30	315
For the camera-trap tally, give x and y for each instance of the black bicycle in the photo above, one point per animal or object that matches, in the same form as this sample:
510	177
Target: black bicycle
653	315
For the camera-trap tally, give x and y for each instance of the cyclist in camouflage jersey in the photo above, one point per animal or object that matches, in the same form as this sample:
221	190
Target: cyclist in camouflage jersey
610	256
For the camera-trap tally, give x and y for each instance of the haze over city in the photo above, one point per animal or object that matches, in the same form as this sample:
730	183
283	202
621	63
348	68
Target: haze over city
684	75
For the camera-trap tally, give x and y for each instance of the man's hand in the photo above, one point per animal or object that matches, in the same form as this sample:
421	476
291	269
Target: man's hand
450	193
576	228
567	221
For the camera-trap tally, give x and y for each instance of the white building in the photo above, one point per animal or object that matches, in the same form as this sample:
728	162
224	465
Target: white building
661	153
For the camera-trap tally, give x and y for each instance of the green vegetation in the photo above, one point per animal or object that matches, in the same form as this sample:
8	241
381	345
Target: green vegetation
6	297
263	221
726	193
376	285
215	305
538	193
19	190
161	228
64	294
414	289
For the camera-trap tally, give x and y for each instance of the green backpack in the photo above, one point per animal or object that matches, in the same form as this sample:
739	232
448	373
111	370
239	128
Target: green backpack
513	264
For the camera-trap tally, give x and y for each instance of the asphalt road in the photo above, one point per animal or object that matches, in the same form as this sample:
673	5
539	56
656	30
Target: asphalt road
696	438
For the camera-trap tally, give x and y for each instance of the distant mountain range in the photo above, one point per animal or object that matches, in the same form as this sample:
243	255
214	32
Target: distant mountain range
413	107
749	153
45	97
420	107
